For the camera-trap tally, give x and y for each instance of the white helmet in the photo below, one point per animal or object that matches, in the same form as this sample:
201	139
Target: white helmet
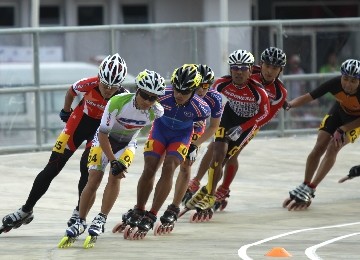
151	81
112	70
351	68
241	57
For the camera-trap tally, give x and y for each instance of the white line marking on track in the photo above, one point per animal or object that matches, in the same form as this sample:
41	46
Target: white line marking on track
311	251
242	250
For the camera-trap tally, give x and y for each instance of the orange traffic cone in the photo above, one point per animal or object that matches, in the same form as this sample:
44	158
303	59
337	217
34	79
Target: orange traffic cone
278	252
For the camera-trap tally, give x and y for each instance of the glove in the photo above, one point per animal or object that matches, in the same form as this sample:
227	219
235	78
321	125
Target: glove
65	115
286	106
192	152
233	133
339	137
117	167
354	172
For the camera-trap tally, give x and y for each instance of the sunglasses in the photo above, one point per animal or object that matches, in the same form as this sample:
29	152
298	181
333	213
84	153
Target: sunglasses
239	67
146	96
184	92
205	85
109	87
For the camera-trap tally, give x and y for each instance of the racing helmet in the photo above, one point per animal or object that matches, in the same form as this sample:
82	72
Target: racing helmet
186	77
112	70
274	56
151	81
207	74
241	57
351	68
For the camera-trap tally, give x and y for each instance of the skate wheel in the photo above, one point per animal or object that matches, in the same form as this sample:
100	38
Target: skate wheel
90	242
134	234
28	220
223	205
118	228
286	202
127	231
157	229
193	217
66	242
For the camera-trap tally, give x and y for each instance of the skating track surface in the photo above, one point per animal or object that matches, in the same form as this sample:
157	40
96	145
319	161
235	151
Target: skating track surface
253	223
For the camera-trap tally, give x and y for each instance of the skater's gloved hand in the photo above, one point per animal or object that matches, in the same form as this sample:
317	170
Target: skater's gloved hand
65	115
118	168
354	172
233	133
192	152
339	137
286	106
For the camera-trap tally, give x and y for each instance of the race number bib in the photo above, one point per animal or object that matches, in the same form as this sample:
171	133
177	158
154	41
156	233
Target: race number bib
94	158
60	143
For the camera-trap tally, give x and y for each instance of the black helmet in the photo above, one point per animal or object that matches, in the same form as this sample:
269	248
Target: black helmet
274	56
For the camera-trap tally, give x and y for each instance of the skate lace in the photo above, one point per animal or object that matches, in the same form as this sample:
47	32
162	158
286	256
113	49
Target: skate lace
78	228
222	193
19	215
207	202
172	210
98	222
193	185
199	195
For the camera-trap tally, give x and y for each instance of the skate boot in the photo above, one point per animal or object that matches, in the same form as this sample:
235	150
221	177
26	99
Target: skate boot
146	223
221	195
118	228
199	195
300	198
72	233
132	221
96	228
73	218
204	211
15	220
167	220
193	187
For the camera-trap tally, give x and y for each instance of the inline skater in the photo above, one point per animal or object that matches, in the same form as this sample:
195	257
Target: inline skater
170	134
115	142
81	125
332	135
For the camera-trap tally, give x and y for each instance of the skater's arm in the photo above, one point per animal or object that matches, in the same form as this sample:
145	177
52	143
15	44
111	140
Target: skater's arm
299	101
209	131
350	126
69	99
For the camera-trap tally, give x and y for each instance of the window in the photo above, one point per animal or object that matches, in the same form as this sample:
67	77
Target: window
135	14
49	15
7	16
90	15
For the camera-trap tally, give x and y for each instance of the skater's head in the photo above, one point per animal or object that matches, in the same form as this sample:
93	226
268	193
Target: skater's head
207	80
112	72
350	76
240	62
150	85
272	62
185	80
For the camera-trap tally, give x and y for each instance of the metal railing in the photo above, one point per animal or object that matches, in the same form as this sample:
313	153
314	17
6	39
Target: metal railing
279	26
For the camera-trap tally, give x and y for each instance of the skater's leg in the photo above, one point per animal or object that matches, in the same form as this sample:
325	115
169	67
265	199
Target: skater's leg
43	180
215	169
146	181
326	164
164	185
111	193
314	157
89	192
205	163
181	183
231	167
84	173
